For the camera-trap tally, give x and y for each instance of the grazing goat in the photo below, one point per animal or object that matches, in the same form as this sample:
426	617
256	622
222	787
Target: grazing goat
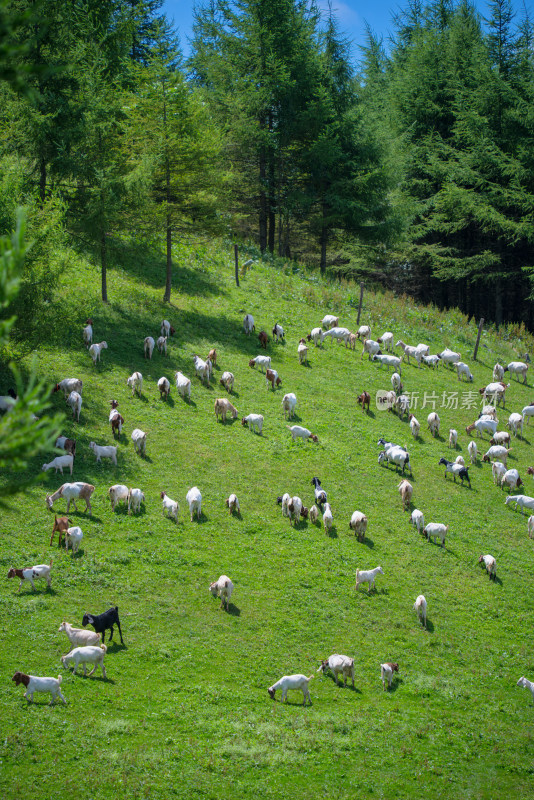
194	501
298	432
74	400
31	574
135	498
358	524
408	351
435	529
263	361
418	520
497	451
164	388
289	401
367	576
498	372
483	424
328	517
73	536
223	407
365	400
212	357
232	504
405	490
341	334
263	339
135	382
339	664
420	608
387	341
501	437
515	422
292	682
254	422
183	385
386	673
511	479
88	332
415	426
456	470
453	438
314	514
108	451
167	329
148	346
248	324
472	449
433	421
33	683
170	507
389	361
162	345
397	456
364	331
58	463
284	502
448	356
61	525
302	352
203	369
71	491
96	349
68	385
530	526
68	445
517	368
490	565
271	377
372	348
118	493
463	369
316	335
278	332
86	655
498	470
117	421
329	321
78	637
294	508
521	500
223	588
139	440
227	380
320	494
103	622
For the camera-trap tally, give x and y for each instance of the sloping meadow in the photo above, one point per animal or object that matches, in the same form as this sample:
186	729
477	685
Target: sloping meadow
185	710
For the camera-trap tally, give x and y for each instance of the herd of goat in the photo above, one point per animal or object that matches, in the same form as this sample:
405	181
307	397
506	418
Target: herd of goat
87	648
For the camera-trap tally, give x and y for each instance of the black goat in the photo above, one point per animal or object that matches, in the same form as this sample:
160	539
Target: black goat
456	469
320	494
101	622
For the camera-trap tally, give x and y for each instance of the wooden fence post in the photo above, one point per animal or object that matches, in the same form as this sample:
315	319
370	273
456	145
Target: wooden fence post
361	301
236	266
480	324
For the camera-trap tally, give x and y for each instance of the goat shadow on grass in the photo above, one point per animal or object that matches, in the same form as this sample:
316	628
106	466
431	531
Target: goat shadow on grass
169	401
395	685
370	414
237	515
375	591
141	397
188	402
366	541
429	626
332	533
98	678
233	610
344	686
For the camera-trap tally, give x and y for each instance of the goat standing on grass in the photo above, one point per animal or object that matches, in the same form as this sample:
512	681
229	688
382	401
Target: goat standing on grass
292	682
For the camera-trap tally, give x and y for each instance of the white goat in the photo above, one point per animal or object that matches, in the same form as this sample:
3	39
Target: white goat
526	684
530	526
433	421
232	504
449	356
432	361
68	385
170	507
389	361
289	401
31	574
515	423
472	449
118	493
70	492
105	451
396	382
521	500
248	324
96	349
386	673
254	422
263	361
328	517
194	501
498	372
329	321
164	387
86	655
367	576
59	462
135	498
415	426
223	588
135	382
435	529
148	346
202	368
298	432
453	438
316	336
358	524
405	490
490	565
33	683
339	664
74	400
420	608
497	470
386	340
292	682
139	440
482	425
162	345
79	637
183	385
418	520
88	333
302	351
463	369
517	368
73	536
227	380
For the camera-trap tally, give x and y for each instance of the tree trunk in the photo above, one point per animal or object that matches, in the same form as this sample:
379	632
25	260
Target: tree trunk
103	261
168	283
498	302
263	204
272	192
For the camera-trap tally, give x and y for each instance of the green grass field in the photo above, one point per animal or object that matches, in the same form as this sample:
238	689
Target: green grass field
185	711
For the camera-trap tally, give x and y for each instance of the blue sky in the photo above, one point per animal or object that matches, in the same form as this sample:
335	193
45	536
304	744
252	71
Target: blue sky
352	16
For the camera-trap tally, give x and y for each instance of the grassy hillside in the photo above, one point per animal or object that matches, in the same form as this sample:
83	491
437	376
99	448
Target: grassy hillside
185	711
